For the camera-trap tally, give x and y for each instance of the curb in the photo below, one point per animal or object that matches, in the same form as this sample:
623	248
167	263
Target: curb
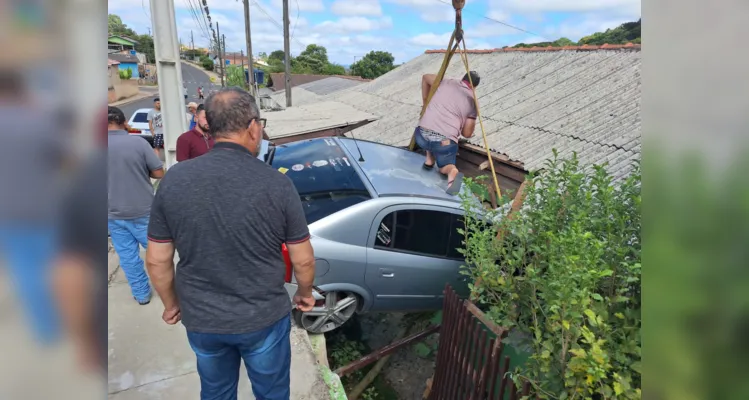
333	381
137	97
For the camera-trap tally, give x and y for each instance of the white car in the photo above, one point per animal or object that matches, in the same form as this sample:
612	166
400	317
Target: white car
138	124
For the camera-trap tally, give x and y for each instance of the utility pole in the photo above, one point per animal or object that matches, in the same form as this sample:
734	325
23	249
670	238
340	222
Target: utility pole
223	51
250	64
192	41
169	71
241	60
287	52
220	60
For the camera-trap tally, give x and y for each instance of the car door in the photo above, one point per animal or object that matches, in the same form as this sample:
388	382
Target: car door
408	257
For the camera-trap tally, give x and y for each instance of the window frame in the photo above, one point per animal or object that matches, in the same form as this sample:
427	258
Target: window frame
372	244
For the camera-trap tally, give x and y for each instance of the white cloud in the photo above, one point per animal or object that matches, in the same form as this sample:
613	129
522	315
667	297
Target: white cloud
303	5
430	10
354	24
629	8
574	29
431	40
357	8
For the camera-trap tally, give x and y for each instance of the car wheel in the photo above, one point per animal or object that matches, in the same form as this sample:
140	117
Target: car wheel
328	314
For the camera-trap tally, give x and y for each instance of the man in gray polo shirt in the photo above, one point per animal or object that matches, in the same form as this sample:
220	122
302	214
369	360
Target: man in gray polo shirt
228	214
131	164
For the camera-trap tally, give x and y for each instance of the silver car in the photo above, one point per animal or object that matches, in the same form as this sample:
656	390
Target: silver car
383	229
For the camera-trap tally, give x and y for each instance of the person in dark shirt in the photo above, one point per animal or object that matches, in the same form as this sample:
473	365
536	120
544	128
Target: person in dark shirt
197	141
228	214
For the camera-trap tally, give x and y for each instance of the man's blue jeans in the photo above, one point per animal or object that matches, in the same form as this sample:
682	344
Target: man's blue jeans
29	253
267	358
127	235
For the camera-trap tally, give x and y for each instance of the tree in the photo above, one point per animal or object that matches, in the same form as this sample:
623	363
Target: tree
277	55
118	28
262	55
334	69
235	76
145	46
314	58
373	65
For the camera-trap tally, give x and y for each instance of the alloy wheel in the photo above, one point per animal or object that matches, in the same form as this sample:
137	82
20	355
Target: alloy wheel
330	313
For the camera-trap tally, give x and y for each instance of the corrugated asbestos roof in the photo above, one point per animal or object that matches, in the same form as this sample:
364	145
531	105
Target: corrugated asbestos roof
312	117
585	100
313	91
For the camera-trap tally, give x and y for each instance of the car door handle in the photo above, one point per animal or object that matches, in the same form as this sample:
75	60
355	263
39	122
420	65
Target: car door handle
387	273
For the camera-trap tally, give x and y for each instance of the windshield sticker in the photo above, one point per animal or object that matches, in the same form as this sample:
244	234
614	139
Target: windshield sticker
320	163
283	170
308	165
383	237
297	167
339	161
333	163
346	161
384	227
329	142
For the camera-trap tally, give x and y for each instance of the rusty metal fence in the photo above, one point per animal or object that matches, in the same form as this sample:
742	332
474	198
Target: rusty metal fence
469	364
469	356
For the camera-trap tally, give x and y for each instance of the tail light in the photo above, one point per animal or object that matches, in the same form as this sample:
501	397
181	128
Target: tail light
287	260
133	130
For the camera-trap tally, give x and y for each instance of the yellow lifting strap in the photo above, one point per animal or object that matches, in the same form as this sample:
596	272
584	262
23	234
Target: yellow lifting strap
457	38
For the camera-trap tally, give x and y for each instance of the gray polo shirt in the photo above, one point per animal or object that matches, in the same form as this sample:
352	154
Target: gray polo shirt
130	162
228	214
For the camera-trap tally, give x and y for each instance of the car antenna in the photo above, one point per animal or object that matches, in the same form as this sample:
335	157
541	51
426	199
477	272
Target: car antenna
361	157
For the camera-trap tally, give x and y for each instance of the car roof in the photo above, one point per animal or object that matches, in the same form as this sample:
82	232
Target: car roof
143	110
394	171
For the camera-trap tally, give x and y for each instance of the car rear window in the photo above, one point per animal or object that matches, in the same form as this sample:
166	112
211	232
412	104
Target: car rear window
323	175
140	117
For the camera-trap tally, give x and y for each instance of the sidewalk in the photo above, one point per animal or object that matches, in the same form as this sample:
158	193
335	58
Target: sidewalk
151	360
145	91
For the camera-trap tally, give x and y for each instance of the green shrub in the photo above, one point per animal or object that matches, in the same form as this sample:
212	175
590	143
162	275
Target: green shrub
565	279
207	64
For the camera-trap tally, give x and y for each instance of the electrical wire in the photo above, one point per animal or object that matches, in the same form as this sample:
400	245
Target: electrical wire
274	21
498	21
296	20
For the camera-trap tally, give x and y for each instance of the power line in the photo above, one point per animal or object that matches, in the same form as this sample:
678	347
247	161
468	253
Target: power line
296	20
197	19
499	22
273	20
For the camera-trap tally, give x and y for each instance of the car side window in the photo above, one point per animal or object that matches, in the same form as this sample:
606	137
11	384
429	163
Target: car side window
418	231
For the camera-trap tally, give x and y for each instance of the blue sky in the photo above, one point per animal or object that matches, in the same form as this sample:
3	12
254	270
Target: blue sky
351	28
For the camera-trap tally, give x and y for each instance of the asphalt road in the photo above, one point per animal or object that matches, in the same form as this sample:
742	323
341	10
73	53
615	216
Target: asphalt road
192	77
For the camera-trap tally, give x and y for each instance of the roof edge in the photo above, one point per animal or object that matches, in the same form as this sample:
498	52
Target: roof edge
585	47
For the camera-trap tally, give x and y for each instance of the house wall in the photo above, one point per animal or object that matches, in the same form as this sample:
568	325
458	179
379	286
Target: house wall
133	66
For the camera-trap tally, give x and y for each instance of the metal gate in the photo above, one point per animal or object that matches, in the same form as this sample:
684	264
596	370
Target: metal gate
469	356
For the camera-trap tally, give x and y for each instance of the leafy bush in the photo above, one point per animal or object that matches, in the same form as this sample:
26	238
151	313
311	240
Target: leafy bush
207	64
126	74
565	278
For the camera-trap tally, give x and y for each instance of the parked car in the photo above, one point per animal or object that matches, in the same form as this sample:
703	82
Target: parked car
138	124
384	231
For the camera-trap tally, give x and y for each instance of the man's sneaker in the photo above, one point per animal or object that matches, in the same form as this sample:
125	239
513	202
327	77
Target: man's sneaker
145	301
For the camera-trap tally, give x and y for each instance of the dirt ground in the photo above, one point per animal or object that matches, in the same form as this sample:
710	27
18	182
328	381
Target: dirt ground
406	371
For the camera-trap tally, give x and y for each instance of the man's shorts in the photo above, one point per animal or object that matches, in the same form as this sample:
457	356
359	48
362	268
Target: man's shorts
444	150
158	141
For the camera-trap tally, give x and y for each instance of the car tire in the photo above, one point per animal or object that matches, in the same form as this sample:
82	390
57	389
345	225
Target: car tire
328	314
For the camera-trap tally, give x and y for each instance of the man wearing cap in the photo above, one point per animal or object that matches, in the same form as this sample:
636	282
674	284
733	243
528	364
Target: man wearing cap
451	113
192	108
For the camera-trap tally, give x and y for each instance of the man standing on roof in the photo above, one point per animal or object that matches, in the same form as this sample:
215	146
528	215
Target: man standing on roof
451	113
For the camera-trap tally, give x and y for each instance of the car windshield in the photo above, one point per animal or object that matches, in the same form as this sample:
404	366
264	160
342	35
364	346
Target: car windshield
323	175
141	117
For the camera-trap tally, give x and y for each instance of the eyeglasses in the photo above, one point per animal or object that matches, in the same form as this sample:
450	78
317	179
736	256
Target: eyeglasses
260	121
